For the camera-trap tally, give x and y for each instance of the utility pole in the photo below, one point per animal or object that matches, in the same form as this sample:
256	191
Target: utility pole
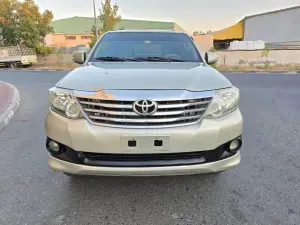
95	16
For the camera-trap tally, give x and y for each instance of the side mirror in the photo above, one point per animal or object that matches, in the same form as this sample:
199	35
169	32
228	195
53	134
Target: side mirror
79	57
211	57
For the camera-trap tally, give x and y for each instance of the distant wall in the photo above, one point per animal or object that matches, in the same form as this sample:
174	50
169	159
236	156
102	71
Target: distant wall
228	58
48	39
232	58
204	42
278	26
58	40
70	40
179	28
54	59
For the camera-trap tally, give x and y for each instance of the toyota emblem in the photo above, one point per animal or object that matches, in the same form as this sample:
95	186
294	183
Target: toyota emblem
145	107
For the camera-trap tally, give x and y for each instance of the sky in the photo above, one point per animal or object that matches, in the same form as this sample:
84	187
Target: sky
189	14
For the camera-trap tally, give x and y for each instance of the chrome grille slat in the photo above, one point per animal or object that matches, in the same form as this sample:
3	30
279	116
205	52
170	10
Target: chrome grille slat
108	105
118	113
162	113
142	120
182	105
129	106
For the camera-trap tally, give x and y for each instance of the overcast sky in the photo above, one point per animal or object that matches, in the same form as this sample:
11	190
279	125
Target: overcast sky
189	14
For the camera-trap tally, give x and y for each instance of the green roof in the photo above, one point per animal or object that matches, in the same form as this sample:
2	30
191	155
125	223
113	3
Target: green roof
83	25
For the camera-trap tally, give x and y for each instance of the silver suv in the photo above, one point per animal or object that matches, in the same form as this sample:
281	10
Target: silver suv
143	103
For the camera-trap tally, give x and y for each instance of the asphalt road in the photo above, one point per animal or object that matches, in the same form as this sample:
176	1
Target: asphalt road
263	190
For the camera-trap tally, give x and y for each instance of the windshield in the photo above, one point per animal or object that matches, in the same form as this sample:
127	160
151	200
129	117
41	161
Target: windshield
146	46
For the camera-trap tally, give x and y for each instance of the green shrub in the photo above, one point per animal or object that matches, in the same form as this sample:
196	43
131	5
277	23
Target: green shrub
236	67
259	67
93	42
212	49
43	49
214	65
267	66
242	62
265	52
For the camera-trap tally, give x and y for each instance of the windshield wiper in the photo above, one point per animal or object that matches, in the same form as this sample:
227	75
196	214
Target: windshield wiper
138	59
158	59
114	59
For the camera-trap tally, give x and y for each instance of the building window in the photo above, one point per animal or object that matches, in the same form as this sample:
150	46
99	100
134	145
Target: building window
85	37
71	37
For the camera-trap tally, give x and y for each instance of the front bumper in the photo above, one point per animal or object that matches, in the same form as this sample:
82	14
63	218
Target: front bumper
83	137
67	167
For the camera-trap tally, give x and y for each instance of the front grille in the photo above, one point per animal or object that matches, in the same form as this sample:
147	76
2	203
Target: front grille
120	113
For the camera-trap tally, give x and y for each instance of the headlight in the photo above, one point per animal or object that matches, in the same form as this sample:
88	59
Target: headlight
224	102
64	104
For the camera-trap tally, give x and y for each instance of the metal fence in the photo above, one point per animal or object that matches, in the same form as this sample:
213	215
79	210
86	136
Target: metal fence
70	50
284	45
224	45
17	51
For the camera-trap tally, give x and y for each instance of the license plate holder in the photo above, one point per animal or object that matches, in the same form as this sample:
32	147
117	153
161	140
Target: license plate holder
145	143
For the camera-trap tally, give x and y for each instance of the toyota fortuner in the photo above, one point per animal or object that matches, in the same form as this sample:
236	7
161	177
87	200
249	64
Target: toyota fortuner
144	103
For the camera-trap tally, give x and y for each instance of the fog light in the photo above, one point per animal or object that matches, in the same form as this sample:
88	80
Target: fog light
235	145
54	146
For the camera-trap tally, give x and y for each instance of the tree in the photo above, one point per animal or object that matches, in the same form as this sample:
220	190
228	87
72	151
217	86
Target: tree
94	37
2	20
24	24
108	17
197	33
8	23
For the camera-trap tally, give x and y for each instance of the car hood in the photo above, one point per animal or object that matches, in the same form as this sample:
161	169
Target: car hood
145	76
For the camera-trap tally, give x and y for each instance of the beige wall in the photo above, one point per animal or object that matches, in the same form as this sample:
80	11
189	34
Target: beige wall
227	58
48	39
204	42
179	28
232	58
55	59
58	40
61	40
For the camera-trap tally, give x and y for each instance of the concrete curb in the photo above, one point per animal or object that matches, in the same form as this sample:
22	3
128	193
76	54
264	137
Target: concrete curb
39	70
263	72
9	113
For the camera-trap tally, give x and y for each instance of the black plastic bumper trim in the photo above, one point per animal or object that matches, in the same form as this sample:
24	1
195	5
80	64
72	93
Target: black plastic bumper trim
143	160
152	163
